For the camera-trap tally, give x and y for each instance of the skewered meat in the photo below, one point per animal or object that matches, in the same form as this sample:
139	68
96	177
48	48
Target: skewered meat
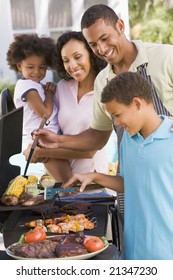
64	224
54	228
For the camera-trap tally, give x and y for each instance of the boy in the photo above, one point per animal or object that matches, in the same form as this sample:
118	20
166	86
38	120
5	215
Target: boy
146	165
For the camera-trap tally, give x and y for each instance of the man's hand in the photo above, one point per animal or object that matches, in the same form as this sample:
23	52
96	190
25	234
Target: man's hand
47	138
85	179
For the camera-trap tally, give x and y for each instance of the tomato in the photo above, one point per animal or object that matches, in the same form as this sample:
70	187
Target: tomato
35	235
93	244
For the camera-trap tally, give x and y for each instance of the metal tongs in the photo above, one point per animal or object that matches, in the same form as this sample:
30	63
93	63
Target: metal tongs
35	142
49	192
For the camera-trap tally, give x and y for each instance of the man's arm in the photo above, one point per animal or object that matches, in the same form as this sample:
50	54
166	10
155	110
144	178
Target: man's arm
88	140
42	154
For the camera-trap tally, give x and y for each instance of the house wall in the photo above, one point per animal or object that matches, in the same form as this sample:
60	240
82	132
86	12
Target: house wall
65	17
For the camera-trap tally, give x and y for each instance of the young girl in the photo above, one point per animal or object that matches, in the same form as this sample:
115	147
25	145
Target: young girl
30	56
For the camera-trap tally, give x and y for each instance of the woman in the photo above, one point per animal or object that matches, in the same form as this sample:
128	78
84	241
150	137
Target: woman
78	67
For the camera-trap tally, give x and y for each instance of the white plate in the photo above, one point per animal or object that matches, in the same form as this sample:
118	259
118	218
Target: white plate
80	257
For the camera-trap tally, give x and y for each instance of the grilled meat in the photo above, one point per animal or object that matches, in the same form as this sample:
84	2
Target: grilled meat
42	249
69	250
34	201
10	200
76	238
57	246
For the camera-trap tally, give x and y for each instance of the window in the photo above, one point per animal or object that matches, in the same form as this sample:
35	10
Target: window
89	3
23	14
60	13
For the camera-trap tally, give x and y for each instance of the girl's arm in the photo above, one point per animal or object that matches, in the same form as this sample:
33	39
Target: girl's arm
42	107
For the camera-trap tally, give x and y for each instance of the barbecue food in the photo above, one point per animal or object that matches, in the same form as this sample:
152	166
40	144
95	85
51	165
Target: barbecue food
34	200
32	180
47	181
42	249
77	207
64	224
69	250
9	200
60	246
15	193
16	186
14	190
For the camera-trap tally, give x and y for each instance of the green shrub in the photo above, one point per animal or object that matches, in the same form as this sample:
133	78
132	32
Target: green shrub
5	83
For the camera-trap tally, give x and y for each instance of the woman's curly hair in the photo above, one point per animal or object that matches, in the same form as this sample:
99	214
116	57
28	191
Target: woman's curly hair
25	45
98	64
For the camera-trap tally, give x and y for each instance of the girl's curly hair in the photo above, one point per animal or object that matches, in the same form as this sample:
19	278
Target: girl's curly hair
98	64
25	45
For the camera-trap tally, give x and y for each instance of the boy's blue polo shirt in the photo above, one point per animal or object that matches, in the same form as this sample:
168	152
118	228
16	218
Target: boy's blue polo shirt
147	168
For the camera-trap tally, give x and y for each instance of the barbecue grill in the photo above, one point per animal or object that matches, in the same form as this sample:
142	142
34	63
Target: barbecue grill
13	217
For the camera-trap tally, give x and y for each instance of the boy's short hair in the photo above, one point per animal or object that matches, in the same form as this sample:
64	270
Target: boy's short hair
125	86
96	12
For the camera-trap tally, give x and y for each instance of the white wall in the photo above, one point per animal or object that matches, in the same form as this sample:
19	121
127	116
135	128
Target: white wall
41	9
6	36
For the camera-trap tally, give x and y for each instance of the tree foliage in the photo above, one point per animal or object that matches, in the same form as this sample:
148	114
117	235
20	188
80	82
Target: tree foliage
151	20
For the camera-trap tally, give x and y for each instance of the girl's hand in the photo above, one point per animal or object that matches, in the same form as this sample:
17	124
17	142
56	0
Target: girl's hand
50	88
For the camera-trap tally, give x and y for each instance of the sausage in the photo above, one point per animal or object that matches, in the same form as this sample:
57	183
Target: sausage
10	200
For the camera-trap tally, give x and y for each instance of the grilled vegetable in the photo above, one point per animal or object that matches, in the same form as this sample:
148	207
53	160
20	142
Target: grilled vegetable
32	180
16	186
35	235
47	181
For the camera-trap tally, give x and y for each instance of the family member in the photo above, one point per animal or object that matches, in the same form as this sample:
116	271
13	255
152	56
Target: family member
146	164
78	67
30	56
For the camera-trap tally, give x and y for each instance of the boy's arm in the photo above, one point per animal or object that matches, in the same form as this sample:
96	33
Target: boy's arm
115	183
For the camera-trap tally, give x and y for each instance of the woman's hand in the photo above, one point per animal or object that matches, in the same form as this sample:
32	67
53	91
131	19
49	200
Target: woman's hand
85	179
35	157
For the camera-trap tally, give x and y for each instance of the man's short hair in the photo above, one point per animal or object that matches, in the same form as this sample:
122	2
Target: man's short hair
95	12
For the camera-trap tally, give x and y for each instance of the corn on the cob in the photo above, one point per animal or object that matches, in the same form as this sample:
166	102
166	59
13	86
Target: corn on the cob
16	186
32	180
